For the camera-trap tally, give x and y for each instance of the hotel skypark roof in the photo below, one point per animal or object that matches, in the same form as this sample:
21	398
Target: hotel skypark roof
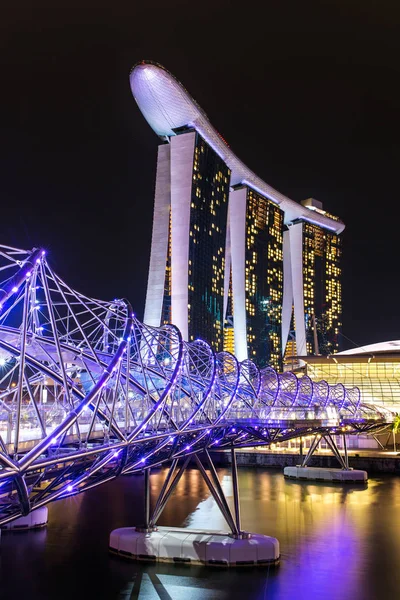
377	352
167	106
362	357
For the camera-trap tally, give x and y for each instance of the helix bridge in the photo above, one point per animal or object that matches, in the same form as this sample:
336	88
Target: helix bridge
87	393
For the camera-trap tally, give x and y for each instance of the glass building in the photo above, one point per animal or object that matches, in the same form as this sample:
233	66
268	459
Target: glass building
189	233
233	260
322	289
264	280
207	237
256	240
313	307
374	369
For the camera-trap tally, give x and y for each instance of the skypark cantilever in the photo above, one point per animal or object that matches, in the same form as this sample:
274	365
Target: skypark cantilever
232	259
167	106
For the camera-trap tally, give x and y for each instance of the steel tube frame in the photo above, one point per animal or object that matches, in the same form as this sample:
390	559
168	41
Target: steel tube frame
312	449
227	516
235	485
346	456
161	496
146	498
220	491
221	393
15	282
21	367
168	493
333	446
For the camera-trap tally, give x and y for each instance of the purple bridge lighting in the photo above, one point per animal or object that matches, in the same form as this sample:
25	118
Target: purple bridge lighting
87	393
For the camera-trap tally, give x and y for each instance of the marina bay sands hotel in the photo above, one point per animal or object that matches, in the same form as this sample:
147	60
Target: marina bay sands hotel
233	261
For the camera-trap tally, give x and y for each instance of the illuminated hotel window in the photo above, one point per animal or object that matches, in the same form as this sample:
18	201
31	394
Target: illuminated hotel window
264	279
166	308
208	218
322	289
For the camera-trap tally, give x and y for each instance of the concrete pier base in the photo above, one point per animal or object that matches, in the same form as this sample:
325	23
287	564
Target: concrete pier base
213	548
324	474
37	518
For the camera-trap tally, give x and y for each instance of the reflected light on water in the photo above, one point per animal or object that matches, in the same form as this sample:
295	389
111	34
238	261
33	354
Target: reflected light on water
337	542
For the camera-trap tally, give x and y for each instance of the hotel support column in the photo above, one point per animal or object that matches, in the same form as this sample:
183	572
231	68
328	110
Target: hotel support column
287	303
237	216
182	152
159	240
296	256
227	272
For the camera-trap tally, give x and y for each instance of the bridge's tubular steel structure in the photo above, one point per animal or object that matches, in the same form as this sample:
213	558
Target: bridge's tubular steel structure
87	392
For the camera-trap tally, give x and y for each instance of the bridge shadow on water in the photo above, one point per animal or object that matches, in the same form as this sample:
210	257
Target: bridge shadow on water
337	542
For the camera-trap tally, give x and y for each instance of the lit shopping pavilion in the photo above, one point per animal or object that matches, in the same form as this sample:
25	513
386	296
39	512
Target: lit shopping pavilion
374	369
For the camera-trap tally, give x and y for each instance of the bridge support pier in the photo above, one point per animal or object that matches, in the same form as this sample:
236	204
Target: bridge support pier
152	543
33	520
145	527
235	485
344	474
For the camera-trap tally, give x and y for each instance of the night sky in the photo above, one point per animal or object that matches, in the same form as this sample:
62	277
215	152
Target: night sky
306	93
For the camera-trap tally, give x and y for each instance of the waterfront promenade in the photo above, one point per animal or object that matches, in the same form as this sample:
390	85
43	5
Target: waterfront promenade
372	461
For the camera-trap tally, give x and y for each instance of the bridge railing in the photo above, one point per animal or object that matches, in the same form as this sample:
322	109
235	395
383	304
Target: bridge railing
83	379
66	368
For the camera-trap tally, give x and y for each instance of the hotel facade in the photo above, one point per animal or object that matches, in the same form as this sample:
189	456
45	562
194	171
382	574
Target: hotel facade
232	260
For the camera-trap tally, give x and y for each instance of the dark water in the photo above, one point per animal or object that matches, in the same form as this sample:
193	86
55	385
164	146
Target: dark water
336	543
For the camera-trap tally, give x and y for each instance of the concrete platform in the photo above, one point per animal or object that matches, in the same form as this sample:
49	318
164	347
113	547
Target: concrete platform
35	519
213	548
324	474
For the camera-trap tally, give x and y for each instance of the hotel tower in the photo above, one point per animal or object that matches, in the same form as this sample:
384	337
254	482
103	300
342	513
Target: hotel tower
232	260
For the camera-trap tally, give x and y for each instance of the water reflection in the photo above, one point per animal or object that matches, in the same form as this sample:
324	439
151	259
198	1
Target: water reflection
336	542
